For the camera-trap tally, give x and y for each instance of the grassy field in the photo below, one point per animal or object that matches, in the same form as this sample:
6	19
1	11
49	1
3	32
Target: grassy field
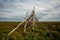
43	31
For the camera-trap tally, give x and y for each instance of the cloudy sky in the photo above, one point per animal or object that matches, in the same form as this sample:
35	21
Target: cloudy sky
15	10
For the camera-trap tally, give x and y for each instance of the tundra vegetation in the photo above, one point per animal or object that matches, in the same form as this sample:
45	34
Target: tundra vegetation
43	31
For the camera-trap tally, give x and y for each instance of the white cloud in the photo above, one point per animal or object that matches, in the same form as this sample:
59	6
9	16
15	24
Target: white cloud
18	8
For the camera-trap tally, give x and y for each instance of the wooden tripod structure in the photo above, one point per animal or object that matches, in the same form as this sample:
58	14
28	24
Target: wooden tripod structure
31	18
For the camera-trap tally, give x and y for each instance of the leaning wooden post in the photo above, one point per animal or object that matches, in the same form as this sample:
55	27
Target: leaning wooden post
16	28
33	17
25	27
26	23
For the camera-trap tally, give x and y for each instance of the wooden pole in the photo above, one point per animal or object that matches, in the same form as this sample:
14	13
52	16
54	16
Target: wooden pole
33	23
26	23
33	17
16	28
25	27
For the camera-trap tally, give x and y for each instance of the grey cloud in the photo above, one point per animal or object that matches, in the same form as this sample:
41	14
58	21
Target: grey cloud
16	10
53	12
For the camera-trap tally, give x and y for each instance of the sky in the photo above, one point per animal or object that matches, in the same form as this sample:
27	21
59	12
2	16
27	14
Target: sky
15	10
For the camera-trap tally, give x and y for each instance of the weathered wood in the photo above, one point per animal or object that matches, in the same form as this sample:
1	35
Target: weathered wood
25	27
33	17
16	28
30	18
